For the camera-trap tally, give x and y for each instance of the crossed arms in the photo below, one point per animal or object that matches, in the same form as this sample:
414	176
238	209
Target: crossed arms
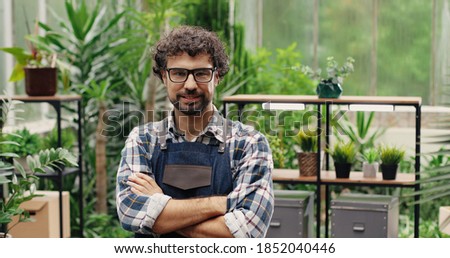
198	217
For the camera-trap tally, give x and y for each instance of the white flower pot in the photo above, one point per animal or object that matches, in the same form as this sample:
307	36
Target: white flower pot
370	169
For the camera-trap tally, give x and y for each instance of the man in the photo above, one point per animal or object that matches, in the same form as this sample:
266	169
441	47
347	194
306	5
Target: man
194	174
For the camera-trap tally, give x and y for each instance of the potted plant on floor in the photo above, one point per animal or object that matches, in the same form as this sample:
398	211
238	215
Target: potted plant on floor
330	86
344	155
370	163
308	157
37	66
390	157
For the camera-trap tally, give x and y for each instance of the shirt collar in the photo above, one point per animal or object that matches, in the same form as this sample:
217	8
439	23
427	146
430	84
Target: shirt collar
213	129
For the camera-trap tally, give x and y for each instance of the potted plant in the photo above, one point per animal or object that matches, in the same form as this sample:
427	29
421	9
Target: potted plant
307	158
37	66
344	155
330	86
390	157
370	163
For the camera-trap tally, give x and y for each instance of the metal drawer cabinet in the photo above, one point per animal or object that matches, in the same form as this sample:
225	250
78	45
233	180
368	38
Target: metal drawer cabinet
359	215
293	214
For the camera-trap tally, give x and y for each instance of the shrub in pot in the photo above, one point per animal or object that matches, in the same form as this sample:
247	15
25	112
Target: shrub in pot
370	163
308	157
390	157
344	155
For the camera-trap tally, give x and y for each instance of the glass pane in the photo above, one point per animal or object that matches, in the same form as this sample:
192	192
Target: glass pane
345	29
394	57
25	15
441	75
3	77
404	48
55	7
291	21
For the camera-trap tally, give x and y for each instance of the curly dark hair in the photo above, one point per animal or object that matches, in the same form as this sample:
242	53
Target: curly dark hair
193	41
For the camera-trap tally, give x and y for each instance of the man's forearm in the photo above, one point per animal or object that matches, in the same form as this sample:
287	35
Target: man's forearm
214	227
179	214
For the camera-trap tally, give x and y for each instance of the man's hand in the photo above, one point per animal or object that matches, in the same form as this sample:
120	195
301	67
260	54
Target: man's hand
142	184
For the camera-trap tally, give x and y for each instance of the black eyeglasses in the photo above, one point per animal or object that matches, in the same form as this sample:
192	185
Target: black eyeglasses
180	75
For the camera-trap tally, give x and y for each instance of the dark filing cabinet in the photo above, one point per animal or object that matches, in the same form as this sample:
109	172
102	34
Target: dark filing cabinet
293	215
361	215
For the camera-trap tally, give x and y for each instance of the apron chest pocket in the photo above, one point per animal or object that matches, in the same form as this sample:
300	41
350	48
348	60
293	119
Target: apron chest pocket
187	177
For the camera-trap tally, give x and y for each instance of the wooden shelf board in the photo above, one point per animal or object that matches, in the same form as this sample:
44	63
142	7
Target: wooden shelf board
313	99
43	98
356	177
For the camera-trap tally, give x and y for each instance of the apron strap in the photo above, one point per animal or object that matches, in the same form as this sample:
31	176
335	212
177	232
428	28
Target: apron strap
221	149
163	134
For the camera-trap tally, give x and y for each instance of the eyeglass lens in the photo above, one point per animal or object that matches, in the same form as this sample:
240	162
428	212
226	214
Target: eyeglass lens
181	74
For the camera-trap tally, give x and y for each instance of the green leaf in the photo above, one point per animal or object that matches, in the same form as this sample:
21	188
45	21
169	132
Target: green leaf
20	168
18	73
9	155
74	22
4	180
20	54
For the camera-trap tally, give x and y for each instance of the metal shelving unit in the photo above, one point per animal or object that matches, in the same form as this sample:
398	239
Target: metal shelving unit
326	177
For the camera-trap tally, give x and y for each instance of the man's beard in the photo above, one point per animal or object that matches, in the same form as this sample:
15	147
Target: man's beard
193	108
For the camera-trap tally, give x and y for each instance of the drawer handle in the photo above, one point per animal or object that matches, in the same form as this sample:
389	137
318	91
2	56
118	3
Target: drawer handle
358	227
275	223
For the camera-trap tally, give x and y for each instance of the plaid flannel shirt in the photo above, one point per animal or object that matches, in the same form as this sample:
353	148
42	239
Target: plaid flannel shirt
250	204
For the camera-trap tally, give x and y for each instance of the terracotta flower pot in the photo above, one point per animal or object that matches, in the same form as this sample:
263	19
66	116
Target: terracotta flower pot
41	81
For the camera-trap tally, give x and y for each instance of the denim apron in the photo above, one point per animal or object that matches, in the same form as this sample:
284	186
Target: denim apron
191	169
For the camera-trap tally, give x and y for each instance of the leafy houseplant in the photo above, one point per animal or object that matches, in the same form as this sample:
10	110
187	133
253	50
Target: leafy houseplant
21	187
27	143
307	159
68	139
278	152
370	164
390	157
37	66
23	143
330	86
358	131
344	155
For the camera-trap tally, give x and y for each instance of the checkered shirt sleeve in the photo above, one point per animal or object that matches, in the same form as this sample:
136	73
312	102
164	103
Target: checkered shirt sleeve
251	200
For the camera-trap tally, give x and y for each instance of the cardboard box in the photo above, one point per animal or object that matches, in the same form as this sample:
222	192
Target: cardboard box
444	219
44	211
